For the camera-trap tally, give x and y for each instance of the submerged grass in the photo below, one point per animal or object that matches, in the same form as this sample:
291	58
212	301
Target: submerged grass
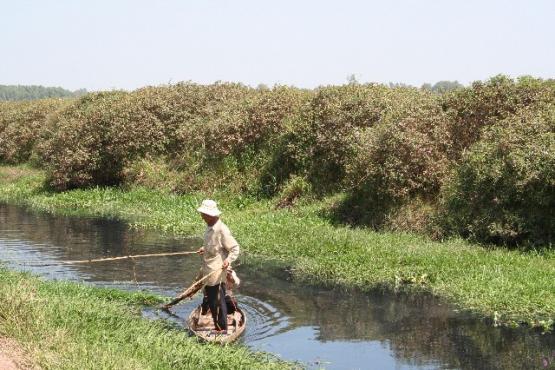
72	326
509	286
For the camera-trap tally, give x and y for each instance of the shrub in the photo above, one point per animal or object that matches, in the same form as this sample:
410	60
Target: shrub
254	123
230	136
390	150
406	161
327	130
186	109
486	103
403	158
151	173
91	141
219	134
503	191
20	124
295	188
396	163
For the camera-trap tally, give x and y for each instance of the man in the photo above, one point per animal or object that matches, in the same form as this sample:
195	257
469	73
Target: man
219	250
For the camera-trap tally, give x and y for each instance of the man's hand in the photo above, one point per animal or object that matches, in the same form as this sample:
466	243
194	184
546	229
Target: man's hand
200	251
225	264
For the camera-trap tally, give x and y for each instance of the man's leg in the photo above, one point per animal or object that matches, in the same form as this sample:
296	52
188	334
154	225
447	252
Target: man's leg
204	305
218	308
222	312
212	296
231	304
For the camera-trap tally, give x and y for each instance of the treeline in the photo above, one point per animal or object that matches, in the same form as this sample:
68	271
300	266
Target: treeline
477	161
441	87
33	92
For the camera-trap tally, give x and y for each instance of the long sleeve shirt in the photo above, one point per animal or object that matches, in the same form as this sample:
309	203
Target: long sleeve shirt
219	245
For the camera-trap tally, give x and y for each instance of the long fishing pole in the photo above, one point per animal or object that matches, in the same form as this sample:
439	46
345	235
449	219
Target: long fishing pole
127	257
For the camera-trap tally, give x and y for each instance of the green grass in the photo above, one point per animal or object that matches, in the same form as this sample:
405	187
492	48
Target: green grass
65	325
509	286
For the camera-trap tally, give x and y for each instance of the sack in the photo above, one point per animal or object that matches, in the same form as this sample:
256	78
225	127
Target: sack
232	280
231	304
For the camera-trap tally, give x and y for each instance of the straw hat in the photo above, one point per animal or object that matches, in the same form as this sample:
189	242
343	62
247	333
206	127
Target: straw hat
209	207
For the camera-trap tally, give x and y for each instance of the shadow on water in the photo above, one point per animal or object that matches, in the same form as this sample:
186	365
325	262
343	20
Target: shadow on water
319	327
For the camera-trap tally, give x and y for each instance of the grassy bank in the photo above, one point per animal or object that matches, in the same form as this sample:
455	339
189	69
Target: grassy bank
70	326
509	286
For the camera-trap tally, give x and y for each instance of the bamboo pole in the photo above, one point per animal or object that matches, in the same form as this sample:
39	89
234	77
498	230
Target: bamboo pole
127	257
190	291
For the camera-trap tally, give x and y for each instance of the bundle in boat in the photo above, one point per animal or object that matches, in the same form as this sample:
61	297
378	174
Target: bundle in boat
190	291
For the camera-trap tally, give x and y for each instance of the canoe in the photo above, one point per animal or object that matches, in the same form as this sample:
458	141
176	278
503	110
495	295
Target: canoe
203	326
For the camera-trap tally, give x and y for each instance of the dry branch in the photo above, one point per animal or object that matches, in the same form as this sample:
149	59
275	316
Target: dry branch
190	291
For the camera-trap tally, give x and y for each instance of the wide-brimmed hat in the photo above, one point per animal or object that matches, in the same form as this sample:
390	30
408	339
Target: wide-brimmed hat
209	207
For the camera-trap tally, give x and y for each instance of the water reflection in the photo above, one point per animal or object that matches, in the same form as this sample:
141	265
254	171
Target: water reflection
322	328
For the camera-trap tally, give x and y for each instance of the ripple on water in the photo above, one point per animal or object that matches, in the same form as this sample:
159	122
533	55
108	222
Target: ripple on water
263	319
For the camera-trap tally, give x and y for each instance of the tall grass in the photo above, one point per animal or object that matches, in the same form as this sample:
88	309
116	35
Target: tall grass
70	326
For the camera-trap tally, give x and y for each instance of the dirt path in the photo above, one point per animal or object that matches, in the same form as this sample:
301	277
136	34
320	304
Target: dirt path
12	356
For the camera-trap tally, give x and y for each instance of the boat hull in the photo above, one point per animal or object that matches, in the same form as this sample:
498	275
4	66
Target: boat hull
202	326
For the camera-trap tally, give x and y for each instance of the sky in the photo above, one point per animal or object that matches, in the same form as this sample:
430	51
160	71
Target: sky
126	44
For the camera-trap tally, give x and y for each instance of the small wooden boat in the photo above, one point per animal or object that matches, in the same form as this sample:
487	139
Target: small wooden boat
203	326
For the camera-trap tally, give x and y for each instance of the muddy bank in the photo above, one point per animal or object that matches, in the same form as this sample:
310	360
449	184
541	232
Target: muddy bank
13	357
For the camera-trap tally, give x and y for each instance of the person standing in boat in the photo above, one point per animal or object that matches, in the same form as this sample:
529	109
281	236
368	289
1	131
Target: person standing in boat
219	250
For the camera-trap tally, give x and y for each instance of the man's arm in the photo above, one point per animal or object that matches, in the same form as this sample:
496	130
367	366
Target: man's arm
231	245
233	253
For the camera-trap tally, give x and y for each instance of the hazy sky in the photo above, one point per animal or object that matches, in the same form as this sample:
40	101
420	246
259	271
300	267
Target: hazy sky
131	43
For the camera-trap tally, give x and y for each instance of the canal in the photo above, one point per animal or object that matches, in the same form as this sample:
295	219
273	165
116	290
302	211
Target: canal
320	328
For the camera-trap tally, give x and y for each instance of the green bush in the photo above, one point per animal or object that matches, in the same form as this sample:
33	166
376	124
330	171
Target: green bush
403	158
295	188
404	162
390	150
395	163
486	103
20	125
327	130
186	109
254	123
151	173
503	191
92	140
230	134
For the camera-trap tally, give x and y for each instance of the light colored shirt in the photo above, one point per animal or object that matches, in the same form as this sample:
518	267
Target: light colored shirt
219	245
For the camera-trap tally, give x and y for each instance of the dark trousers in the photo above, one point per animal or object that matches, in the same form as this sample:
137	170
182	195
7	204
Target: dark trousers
214	299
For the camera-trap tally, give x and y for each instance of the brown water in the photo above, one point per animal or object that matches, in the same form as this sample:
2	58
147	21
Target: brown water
317	327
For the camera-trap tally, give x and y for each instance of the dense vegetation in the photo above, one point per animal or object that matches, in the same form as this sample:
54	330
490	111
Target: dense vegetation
33	92
476	161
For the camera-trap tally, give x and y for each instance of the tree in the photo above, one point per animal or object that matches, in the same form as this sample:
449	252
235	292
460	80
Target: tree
441	87
32	92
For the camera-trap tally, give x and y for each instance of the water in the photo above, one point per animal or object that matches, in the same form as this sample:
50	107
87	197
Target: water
318	327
